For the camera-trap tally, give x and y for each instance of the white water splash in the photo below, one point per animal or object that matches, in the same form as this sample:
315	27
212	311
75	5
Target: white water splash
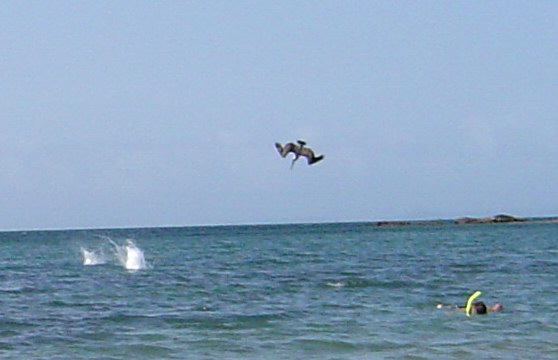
129	255
92	257
134	257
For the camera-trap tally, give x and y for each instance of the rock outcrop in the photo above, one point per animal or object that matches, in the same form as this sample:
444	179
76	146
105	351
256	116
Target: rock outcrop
501	218
497	219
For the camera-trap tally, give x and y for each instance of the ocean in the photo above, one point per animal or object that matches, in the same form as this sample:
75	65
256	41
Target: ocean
311	291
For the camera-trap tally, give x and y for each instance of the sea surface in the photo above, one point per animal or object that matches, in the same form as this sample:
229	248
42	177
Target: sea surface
324	291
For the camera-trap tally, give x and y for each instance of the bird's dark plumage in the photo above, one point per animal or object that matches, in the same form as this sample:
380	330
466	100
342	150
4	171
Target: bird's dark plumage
298	151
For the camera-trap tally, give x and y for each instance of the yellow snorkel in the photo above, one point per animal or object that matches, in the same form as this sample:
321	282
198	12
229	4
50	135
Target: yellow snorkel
469	306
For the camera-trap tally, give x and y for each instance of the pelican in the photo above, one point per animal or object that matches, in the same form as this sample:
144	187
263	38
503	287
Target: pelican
298	151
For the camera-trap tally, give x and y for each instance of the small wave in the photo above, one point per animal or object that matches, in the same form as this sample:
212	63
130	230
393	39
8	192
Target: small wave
14	325
359	283
57	303
155	351
12	289
335	284
213	321
20	289
329	344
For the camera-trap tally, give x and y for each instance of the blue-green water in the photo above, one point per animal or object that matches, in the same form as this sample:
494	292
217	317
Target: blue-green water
329	291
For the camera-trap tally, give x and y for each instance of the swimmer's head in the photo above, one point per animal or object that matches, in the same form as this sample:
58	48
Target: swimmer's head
479	308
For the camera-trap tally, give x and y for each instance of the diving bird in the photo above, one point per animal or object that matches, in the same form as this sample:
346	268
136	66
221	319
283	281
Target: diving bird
298	151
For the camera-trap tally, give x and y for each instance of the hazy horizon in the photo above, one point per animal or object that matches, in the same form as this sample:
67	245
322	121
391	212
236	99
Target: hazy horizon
371	221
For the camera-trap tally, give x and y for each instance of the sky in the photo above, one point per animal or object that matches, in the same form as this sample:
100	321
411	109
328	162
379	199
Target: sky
164	113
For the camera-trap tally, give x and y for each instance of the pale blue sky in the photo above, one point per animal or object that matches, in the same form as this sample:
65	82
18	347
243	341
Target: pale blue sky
147	113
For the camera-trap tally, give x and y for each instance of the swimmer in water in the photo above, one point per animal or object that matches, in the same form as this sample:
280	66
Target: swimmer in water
478	308
474	308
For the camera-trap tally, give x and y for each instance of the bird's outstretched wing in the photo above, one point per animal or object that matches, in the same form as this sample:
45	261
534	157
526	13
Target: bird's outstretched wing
285	150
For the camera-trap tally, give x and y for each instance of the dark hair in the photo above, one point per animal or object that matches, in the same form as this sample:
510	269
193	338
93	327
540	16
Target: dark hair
480	308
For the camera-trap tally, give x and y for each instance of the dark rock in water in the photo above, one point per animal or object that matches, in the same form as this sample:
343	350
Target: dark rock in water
497	219
506	218
501	218
392	223
466	220
409	222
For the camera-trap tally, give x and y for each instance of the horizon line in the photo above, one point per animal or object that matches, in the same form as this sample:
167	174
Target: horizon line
169	226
